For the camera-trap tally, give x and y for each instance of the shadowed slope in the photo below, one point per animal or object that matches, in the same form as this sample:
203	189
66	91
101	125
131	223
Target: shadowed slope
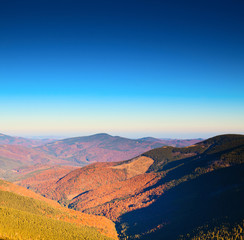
206	189
214	198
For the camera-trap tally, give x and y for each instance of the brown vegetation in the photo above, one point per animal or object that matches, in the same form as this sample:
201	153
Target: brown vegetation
25	155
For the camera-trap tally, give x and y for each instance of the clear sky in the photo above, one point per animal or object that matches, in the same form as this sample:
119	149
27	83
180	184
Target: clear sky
132	68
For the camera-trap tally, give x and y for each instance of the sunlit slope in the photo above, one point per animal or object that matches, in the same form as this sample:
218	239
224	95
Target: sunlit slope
26	215
15	224
98	184
39	173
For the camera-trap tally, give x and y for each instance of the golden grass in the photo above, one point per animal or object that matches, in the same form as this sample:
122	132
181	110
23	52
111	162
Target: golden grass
136	167
102	224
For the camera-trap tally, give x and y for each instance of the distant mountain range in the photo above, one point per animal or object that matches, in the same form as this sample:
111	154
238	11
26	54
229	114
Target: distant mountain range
194	192
105	148
16	153
26	142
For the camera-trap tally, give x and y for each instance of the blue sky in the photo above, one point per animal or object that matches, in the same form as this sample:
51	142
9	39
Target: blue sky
130	68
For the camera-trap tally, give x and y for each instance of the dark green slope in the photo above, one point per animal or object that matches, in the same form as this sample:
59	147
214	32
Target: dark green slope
206	188
218	145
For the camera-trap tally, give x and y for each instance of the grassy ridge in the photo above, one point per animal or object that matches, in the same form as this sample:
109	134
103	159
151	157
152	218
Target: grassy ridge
15	224
27	204
23	217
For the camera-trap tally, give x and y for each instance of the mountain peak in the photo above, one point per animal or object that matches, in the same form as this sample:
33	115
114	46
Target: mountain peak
101	135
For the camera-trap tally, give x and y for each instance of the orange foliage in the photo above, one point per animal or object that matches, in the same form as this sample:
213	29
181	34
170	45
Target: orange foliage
108	189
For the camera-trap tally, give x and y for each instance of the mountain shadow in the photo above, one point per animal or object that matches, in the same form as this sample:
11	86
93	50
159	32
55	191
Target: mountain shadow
213	198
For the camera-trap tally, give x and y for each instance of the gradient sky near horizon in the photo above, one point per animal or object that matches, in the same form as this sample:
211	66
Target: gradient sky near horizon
130	68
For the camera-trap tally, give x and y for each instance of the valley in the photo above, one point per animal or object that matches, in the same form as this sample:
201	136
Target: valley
164	193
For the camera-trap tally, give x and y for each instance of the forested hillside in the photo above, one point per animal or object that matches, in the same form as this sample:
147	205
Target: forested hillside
167	192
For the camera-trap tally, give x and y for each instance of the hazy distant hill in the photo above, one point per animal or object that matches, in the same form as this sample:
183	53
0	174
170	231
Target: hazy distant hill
26	215
165	192
105	148
27	142
172	142
18	153
13	158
